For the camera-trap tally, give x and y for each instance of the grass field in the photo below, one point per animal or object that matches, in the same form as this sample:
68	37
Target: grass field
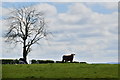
60	70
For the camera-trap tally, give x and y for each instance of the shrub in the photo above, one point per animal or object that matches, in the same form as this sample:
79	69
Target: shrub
7	61
75	62
33	61
83	62
45	61
59	62
49	61
16	61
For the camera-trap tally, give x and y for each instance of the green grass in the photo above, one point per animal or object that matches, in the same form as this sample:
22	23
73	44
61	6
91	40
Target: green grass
60	70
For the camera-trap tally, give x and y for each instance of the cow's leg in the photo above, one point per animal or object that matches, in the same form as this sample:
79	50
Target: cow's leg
71	61
63	60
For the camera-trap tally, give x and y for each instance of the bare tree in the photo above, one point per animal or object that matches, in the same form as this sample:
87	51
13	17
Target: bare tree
26	26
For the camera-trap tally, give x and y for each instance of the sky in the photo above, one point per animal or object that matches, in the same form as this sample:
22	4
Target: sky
88	29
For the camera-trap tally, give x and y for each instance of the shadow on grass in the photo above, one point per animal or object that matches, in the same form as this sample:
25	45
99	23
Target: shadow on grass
60	79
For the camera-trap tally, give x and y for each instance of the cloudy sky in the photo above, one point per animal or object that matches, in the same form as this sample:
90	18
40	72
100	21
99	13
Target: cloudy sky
88	29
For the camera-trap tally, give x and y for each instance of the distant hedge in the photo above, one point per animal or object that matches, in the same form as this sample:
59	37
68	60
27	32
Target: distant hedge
59	62
45	61
33	61
51	61
67	62
75	62
16	61
9	61
83	62
41	61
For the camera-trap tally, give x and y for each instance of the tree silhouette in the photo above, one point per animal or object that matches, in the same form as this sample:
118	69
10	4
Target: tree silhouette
26	26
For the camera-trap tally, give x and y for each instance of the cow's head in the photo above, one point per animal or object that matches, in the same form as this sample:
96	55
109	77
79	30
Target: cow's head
72	54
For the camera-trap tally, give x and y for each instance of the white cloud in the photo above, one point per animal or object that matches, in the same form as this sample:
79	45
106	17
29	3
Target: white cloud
79	8
69	18
111	5
77	13
5	11
60	0
48	9
107	5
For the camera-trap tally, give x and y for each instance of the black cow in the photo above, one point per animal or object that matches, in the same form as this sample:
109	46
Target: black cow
67	58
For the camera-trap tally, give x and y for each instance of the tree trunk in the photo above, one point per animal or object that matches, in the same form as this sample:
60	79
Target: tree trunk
25	59
25	55
25	52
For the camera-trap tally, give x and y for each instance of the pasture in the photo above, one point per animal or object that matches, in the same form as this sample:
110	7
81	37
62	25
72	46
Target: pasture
59	70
